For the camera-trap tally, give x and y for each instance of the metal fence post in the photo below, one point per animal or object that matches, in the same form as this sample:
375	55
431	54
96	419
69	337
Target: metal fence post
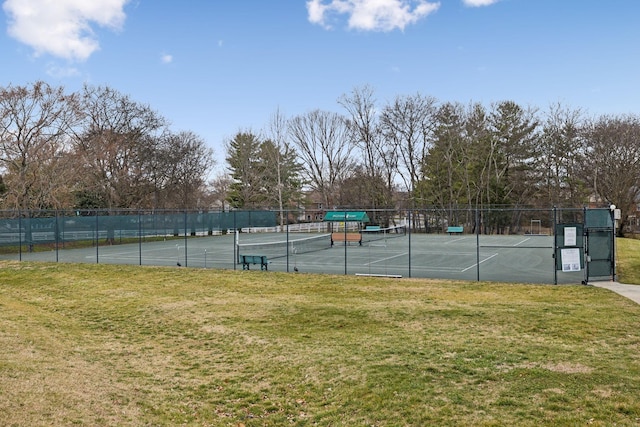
555	245
477	244
410	222
140	237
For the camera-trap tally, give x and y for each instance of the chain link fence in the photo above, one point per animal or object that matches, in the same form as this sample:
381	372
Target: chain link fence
488	244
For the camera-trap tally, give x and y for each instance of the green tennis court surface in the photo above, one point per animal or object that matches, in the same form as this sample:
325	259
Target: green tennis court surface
512	258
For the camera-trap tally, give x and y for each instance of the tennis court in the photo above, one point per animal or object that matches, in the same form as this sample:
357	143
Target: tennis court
467	257
506	258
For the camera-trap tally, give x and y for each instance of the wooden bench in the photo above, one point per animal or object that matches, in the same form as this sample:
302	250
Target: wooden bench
455	229
247	260
346	238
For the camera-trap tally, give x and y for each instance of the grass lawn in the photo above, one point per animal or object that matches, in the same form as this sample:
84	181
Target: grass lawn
628	260
129	346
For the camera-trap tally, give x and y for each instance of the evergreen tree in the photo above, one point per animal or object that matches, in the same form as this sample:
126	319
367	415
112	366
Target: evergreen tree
281	174
243	159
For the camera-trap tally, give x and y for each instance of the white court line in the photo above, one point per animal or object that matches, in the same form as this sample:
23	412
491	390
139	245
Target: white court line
454	240
476	264
130	254
468	253
127	254
386	259
521	242
441	269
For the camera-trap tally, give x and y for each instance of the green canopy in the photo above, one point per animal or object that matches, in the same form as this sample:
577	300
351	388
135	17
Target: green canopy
346	216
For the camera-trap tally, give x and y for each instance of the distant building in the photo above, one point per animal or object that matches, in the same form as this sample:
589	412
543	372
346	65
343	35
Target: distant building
312	209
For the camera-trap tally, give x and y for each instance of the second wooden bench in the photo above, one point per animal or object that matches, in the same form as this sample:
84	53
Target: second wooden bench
346	238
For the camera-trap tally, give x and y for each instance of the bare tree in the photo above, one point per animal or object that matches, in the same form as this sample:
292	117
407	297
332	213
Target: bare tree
219	188
324	146
379	162
282	163
612	161
35	122
113	146
178	168
408	123
277	134
360	105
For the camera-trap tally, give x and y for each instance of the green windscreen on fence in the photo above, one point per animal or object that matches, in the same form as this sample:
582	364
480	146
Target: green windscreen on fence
56	227
598	218
492	244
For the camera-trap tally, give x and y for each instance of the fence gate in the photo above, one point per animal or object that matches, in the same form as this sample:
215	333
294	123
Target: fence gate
588	245
600	248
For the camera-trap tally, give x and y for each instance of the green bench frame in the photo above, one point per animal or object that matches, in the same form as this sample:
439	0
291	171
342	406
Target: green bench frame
247	260
455	229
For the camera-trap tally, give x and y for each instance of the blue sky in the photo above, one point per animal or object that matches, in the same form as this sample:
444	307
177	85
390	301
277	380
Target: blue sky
218	66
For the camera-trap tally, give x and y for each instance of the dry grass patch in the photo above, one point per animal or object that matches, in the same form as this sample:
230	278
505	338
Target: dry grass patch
122	345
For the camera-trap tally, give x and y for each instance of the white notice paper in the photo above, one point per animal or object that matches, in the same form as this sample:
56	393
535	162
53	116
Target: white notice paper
570	236
570	259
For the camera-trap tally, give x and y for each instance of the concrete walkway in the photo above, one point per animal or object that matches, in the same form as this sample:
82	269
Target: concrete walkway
630	291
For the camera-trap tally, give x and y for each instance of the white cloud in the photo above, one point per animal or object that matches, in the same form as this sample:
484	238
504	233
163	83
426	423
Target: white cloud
58	72
166	58
316	11
62	28
479	3
371	15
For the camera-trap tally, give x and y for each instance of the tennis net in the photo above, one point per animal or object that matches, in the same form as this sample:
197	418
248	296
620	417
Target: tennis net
280	249
371	234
